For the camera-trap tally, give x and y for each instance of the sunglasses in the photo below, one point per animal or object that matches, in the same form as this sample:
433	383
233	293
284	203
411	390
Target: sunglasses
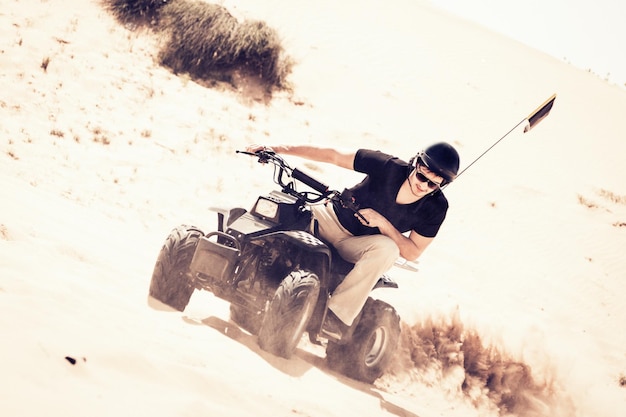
423	178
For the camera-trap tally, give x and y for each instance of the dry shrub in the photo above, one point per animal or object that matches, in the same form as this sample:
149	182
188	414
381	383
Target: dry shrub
200	38
208	43
138	12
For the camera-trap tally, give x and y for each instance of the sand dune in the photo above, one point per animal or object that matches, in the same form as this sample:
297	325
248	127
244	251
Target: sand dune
103	152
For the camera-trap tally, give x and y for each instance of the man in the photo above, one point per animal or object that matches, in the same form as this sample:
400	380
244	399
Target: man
395	197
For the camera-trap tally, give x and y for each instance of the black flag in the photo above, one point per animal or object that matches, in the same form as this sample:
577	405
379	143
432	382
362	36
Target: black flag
540	113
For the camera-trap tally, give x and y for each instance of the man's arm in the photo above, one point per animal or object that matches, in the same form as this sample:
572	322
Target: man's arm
314	153
410	247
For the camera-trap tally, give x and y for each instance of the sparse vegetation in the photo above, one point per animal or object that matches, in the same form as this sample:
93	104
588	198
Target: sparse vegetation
99	136
585	202
611	196
57	132
607	195
210	45
44	64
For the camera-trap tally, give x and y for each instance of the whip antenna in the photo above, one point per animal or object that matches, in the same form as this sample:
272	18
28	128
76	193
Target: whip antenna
532	120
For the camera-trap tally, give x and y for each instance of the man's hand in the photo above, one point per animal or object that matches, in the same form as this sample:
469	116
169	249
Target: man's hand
256	148
372	218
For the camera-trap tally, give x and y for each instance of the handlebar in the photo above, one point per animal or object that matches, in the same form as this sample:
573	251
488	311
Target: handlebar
322	190
308	180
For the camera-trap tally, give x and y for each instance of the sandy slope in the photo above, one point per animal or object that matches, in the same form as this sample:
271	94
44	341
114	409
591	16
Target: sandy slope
104	151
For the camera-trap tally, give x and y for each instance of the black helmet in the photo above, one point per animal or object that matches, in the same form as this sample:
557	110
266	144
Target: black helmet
442	159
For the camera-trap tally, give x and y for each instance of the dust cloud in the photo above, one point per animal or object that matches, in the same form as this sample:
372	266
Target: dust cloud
442	351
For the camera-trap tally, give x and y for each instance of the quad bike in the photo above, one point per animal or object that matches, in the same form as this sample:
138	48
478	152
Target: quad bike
278	275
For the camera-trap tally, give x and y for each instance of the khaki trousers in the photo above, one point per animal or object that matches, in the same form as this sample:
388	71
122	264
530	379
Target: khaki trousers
372	255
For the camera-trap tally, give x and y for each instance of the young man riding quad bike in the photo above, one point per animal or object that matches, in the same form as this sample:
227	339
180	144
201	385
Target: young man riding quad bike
306	261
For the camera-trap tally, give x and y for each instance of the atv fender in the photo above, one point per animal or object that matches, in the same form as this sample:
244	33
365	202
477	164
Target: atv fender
306	242
302	239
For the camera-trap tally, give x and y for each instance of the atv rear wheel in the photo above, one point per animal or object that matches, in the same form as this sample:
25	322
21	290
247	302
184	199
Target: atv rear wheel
172	283
289	313
372	346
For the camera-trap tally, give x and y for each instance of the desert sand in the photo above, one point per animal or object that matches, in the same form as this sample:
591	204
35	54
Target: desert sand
103	151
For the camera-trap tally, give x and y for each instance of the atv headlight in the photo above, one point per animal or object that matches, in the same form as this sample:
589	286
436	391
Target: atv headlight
266	209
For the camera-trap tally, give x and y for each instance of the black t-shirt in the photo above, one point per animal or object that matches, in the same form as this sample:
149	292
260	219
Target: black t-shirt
378	191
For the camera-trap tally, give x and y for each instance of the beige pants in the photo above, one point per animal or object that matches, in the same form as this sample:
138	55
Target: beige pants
372	256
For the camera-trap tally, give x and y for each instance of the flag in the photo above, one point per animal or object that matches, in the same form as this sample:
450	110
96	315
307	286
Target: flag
540	113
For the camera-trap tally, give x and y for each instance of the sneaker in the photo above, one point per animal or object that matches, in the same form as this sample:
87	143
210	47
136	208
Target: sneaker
333	327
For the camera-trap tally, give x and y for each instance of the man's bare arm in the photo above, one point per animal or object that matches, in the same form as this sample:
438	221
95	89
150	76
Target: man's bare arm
314	153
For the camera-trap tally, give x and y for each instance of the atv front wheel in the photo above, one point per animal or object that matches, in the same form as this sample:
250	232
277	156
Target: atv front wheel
289	313
372	346
172	283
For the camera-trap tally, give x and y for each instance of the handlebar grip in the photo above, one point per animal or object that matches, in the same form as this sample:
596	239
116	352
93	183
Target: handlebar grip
308	180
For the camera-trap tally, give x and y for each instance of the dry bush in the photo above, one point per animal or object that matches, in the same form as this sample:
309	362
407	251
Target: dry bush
206	42
209	44
138	12
199	37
